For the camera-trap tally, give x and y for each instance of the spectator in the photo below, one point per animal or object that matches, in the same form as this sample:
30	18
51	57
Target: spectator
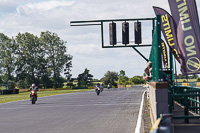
145	77
148	71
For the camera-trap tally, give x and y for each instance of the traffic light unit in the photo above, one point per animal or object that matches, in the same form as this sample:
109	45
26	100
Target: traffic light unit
125	33
138	32
113	35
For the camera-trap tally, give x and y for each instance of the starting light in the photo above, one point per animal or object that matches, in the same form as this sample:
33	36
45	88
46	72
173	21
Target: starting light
138	36
125	33
113	35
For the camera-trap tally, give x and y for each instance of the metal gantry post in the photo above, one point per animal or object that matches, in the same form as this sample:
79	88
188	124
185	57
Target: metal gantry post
155	56
171	66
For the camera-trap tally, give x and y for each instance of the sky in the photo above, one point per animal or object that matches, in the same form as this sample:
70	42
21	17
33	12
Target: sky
84	43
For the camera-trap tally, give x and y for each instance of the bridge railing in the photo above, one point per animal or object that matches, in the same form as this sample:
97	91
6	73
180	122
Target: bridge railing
187	96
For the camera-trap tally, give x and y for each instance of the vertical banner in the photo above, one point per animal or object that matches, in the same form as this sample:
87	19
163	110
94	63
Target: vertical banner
193	13
168	28
164	54
185	15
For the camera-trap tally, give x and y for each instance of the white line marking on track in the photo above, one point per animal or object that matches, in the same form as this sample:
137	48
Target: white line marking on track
138	126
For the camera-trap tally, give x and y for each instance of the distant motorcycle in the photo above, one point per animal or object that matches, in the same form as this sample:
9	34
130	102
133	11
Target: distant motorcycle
97	90
109	86
101	88
33	96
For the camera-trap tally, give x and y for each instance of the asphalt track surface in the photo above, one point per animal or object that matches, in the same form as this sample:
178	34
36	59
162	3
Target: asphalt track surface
114	111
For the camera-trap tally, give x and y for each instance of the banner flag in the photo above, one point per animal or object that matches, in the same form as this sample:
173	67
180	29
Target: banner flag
168	28
194	17
164	54
184	13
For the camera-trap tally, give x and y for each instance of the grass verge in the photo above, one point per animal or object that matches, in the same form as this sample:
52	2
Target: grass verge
25	95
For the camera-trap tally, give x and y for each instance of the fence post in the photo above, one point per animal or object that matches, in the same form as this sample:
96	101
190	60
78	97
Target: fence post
186	108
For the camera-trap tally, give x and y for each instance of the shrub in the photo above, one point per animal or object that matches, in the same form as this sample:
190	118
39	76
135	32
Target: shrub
11	84
21	84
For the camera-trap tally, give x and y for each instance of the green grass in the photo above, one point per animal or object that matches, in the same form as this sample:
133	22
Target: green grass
25	95
3	88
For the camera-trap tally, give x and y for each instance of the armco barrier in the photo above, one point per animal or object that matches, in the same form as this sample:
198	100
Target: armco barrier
197	84
79	88
10	91
185	84
120	86
192	84
91	87
63	88
128	86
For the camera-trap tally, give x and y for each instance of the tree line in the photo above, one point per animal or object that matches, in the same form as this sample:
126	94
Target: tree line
27	59
120	79
85	79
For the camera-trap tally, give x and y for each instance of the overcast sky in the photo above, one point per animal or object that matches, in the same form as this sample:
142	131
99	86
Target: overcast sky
83	43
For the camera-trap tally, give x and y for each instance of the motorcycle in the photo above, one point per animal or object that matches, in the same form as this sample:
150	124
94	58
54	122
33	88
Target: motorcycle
109	86
33	97
97	90
101	88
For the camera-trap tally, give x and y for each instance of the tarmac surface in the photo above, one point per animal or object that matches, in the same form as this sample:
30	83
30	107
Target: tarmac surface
114	111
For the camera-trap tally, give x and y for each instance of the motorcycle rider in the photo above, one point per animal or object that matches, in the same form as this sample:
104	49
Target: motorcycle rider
97	86
35	88
109	86
101	87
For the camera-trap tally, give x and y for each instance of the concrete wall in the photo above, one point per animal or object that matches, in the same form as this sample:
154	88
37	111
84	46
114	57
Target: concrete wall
158	99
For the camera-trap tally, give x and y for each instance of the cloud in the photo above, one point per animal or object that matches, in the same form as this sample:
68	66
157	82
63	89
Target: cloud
83	43
9	6
43	6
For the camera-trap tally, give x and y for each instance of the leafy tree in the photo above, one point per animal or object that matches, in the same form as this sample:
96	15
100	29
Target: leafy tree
33	59
184	80
110	77
137	80
11	84
85	78
28	60
7	56
122	73
56	54
180	76
123	79
194	76
21	84
198	79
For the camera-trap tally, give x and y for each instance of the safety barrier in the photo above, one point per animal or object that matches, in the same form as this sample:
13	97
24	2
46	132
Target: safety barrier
191	84
188	97
91	87
10	91
63	88
163	124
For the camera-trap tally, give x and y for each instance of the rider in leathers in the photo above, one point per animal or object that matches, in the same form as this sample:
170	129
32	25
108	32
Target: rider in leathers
35	88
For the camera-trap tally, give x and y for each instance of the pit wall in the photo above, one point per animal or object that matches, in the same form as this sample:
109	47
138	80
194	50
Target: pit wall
158	99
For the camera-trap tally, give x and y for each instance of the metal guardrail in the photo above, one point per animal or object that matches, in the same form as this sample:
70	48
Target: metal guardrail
187	96
191	84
